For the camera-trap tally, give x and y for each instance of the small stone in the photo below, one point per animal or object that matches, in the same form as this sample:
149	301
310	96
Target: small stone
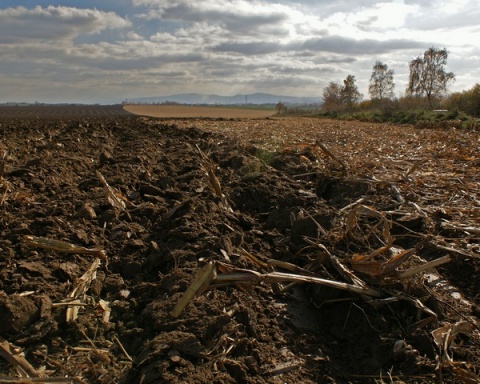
174	356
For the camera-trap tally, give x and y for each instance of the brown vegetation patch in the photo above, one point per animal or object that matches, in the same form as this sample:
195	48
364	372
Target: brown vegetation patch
186	111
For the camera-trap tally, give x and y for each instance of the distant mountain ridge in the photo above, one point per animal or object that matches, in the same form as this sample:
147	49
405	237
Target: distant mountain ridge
198	98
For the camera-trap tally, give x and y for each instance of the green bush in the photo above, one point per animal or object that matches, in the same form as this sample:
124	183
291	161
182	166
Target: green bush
460	110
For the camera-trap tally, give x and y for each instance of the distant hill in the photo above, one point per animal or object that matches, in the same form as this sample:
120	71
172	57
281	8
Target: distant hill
254	98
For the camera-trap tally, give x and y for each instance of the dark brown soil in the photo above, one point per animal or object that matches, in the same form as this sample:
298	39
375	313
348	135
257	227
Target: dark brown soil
62	111
174	224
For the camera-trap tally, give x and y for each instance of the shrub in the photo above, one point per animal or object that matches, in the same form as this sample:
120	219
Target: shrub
466	101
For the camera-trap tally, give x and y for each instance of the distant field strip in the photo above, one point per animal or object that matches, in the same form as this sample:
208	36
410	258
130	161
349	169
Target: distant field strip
62	111
186	111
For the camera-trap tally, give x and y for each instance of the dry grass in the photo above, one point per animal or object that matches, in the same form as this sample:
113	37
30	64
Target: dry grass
186	111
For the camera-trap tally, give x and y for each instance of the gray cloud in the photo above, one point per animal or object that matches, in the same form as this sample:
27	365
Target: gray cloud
231	20
343	45
254	48
54	23
339	59
333	44
366	24
247	20
146	62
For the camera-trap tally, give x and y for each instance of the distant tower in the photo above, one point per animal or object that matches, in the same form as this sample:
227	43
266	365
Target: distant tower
246	99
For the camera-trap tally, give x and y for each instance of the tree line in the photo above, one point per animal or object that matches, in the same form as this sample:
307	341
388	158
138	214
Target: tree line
428	80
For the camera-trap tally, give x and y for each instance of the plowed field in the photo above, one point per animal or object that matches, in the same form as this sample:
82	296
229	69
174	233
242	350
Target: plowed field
63	111
107	221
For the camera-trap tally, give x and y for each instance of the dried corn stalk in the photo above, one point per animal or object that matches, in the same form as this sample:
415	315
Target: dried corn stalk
5	186
339	266
380	268
213	180
2	165
114	197
201	282
4	190
364	210
412	169
12	355
324	148
215	274
105	307
64	247
41	380
215	184
380	230
81	287
370	264
445	339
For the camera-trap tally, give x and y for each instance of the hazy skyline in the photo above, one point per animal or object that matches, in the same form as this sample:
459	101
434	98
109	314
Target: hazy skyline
108	51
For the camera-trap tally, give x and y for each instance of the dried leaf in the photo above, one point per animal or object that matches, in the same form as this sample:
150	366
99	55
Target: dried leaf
380	268
214	182
200	283
81	287
63	246
445	336
114	197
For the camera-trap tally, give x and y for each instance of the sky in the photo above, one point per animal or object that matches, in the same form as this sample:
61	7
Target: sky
113	50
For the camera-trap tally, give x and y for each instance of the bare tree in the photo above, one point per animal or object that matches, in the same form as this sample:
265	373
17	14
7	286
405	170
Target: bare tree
381	82
428	76
332	97
350	93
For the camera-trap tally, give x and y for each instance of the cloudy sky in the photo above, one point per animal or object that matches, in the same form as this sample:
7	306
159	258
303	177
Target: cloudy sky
111	50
